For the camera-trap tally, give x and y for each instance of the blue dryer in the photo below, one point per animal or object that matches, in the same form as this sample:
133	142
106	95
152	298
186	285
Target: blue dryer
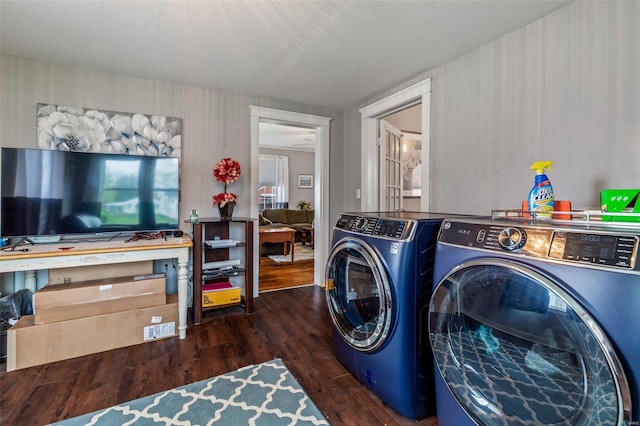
536	323
378	282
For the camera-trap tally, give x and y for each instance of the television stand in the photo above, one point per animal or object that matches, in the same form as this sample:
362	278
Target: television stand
66	254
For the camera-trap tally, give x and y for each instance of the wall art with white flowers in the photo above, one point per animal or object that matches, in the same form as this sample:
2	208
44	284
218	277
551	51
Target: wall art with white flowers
411	164
67	128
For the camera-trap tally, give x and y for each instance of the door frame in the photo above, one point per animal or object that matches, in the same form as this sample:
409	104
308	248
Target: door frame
321	181
369	178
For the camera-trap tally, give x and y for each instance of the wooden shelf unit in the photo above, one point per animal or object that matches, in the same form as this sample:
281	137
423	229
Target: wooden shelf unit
209	229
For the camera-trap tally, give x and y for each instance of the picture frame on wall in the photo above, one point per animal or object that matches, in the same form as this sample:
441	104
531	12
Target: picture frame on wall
72	128
305	181
411	164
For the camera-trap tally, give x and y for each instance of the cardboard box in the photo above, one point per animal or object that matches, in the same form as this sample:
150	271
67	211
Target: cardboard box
220	294
89	298
30	344
99	272
621	201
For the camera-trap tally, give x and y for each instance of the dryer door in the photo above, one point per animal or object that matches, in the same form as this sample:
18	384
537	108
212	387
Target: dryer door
515	348
358	295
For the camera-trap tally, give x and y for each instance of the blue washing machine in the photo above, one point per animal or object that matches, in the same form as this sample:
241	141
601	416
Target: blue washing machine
536	323
378	283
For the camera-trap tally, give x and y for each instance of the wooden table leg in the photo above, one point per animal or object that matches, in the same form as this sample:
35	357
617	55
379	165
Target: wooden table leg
293	243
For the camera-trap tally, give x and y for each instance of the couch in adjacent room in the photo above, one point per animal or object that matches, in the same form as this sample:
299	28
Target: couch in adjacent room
276	218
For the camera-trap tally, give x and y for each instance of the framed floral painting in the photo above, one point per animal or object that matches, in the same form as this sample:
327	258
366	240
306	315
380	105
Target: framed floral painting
67	128
411	164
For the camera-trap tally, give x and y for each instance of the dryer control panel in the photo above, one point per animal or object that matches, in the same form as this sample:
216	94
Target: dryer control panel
391	228
599	249
593	247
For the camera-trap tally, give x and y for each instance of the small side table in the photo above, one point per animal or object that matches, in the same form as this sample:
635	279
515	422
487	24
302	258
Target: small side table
278	235
307	235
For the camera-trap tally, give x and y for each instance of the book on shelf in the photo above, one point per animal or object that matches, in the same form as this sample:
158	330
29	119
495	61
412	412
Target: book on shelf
217	286
220	294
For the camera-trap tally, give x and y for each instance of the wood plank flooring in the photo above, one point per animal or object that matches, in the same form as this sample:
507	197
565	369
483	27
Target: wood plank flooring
292	324
276	276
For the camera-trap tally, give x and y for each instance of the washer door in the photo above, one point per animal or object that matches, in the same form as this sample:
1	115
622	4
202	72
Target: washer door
358	295
515	348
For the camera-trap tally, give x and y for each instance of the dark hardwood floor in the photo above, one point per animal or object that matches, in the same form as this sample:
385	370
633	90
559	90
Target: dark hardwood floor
292	324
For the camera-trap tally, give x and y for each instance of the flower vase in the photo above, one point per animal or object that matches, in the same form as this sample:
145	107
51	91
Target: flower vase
226	211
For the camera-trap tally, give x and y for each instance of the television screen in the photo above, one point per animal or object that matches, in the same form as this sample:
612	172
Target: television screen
46	193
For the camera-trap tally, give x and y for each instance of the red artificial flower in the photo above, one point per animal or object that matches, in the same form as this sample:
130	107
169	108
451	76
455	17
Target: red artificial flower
227	170
223	198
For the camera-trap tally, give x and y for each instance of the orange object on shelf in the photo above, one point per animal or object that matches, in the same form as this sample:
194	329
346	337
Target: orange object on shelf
559	206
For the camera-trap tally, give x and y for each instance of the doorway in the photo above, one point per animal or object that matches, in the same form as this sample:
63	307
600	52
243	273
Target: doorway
419	93
409	123
320	178
287	155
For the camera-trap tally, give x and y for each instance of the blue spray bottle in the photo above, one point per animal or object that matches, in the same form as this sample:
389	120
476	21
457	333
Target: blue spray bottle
541	197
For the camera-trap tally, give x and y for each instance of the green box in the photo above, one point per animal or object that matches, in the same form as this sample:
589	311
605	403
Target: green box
621	201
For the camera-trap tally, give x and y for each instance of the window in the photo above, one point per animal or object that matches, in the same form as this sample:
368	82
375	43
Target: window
273	181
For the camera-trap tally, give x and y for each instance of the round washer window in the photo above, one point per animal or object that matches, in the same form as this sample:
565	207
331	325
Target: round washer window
514	348
358	295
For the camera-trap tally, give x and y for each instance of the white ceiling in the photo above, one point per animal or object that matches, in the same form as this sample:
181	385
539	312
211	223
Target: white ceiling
282	136
334	54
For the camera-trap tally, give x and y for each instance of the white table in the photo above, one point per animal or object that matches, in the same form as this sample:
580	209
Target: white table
72	254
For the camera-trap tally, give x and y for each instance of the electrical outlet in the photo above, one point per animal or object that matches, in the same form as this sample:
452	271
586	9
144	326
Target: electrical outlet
358	194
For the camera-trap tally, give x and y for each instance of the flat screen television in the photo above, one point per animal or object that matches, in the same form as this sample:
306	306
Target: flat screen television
58	193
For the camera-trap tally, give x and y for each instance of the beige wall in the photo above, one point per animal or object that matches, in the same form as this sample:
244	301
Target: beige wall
215	124
564	88
349	162
407	120
300	163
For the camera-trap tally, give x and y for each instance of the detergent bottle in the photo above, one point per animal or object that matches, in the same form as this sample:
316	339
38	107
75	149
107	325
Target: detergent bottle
541	197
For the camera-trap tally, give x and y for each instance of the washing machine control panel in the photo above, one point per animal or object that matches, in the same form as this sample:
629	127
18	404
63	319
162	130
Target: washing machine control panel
390	228
596	248
512	239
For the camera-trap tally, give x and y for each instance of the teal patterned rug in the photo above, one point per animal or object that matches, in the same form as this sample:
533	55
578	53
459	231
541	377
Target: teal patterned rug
264	394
